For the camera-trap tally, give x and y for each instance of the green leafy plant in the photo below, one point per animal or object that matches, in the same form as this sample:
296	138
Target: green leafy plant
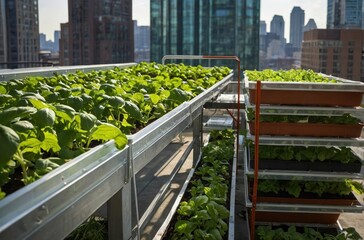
204	215
293	75
308	233
47	121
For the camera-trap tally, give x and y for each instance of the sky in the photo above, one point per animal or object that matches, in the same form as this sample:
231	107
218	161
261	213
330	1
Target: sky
54	12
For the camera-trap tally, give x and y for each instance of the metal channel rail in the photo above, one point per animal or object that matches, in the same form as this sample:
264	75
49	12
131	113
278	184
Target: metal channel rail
59	202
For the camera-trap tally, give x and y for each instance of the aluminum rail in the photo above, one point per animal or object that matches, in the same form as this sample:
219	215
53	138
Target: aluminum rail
343	86
299	175
266	109
19	73
302	208
53	206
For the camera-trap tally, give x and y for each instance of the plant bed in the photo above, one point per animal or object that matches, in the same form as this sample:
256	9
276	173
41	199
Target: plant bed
264	232
326	159
48	121
303	87
294	217
292	165
307	129
203	212
345	126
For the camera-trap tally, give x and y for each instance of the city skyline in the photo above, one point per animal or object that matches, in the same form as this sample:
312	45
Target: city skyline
54	12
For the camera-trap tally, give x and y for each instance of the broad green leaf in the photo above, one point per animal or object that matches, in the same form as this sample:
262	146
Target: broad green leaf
66	137
65	112
7	115
44	117
66	153
50	142
155	98
108	88
44	166
107	132
9	142
116	102
2	194
2	90
138	97
178	95
216	234
201	200
22	126
5	97
30	145
38	104
86	120
75	102
164	94
183	226
31	95
133	110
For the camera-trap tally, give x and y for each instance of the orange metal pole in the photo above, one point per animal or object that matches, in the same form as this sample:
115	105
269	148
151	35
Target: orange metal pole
256	159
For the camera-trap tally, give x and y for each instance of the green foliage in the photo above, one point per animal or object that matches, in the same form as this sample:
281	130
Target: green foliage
204	215
63	116
311	153
293	75
268	233
295	187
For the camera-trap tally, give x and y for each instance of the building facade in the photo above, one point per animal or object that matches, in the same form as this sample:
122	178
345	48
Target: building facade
337	52
100	32
345	14
206	28
141	43
296	27
19	34
64	53
277	26
311	24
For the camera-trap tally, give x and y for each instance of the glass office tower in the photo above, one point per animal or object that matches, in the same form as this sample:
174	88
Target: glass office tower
213	27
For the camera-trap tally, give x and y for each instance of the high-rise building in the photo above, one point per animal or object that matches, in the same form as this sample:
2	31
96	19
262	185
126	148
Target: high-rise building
262	28
19	34
100	31
57	35
142	42
311	24
336	52
3	47
345	14
296	27
206	28
64	44
277	26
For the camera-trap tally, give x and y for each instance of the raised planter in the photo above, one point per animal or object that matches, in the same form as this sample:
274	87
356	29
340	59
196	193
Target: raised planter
308	98
326	166
308	129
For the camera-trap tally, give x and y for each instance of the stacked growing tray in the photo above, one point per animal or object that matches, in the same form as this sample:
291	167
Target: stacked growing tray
300	99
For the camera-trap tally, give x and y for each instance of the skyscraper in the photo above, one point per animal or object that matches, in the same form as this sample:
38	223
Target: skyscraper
19	33
277	26
206	28
296	27
334	51
100	31
311	24
345	14
57	35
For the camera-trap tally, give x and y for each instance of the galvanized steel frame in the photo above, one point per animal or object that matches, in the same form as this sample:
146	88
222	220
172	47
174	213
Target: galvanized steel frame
67	196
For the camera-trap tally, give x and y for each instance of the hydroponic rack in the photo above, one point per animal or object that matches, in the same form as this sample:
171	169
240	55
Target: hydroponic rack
55	205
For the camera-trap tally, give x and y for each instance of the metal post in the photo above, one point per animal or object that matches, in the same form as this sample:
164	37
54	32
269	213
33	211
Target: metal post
197	137
119	212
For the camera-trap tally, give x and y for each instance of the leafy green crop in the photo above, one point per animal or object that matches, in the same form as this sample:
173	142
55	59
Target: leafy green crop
47	121
302	153
295	187
293	75
343	119
204	215
268	233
